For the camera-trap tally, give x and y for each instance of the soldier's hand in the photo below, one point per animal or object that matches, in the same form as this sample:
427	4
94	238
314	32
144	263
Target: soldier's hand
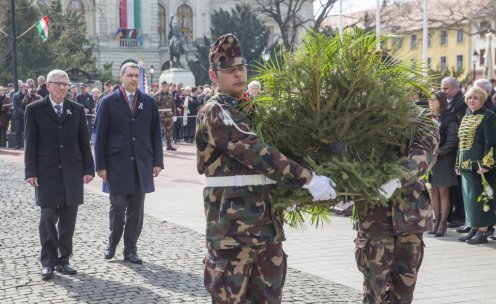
321	188
102	174
156	171
87	179
33	181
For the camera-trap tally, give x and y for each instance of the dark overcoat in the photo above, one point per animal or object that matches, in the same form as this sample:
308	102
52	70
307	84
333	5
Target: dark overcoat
128	145
57	152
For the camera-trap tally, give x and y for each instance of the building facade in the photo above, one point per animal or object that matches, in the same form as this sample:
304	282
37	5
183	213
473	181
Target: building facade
132	30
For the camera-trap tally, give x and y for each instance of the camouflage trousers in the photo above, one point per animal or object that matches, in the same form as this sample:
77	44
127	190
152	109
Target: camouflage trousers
246	275
168	126
389	266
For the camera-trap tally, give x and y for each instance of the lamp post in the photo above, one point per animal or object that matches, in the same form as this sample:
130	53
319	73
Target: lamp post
475	56
152	70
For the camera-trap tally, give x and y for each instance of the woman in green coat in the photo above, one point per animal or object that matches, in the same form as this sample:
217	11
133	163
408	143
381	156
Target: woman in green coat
475	158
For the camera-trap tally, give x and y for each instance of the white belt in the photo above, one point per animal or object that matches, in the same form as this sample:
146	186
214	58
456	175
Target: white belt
238	180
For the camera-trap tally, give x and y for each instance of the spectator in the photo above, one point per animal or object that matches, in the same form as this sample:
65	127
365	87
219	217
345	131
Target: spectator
19	109
475	160
189	107
86	100
443	173
254	88
487	86
5	107
456	104
42	87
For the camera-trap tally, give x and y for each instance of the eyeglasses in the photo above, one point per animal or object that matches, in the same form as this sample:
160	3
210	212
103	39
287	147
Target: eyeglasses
60	84
234	69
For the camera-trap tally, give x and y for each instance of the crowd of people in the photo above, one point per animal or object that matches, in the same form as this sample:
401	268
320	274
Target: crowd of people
463	178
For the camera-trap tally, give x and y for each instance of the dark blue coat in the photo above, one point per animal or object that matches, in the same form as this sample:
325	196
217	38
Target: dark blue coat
128	145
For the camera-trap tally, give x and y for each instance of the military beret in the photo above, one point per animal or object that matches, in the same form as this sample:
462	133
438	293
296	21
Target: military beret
226	52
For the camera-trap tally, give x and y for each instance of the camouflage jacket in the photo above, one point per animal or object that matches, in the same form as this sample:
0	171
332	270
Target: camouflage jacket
226	146
165	101
415	215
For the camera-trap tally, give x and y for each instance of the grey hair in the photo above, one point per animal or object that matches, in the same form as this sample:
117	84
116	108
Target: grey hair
254	83
452	81
54	73
484	84
128	65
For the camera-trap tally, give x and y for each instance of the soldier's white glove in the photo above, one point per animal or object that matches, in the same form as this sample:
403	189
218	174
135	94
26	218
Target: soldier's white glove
174	118
387	190
321	188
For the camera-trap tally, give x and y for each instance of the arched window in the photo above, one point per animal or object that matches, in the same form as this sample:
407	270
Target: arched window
161	24
185	21
76	6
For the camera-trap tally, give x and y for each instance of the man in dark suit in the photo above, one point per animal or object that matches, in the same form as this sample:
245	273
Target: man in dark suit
128	154
456	104
58	161
85	99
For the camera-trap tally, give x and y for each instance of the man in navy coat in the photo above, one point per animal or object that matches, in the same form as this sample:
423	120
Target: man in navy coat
58	161
128	154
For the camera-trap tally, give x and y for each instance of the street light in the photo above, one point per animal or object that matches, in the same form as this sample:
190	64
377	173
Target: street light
152	70
475	57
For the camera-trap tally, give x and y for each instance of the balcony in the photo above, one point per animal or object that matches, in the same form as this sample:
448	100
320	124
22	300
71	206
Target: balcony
129	43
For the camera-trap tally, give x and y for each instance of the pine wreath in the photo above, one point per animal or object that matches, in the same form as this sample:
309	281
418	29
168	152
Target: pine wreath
342	108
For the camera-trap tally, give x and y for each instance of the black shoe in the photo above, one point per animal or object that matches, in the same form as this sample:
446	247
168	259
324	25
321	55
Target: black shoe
470	235
133	258
47	273
479	238
493	237
464	229
66	269
456	223
109	253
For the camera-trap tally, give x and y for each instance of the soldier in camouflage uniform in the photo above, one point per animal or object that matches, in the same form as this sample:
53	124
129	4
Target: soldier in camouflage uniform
389	244
167	110
245	262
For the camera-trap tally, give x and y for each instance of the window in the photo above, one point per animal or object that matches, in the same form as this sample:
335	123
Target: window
161	24
459	36
399	44
485	27
459	62
482	57
444	38
442	63
429	39
429	62
185	21
413	41
75	6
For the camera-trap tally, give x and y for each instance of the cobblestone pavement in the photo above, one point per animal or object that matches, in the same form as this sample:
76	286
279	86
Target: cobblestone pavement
172	271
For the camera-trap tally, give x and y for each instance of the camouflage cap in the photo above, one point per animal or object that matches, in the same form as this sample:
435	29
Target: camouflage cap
226	52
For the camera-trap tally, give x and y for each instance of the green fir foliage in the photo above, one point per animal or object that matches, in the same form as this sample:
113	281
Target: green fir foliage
342	108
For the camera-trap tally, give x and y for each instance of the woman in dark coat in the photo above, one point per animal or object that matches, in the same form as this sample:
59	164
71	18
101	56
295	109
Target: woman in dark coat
475	159
443	174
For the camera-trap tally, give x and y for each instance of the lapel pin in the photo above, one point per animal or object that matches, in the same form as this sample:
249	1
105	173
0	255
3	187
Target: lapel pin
69	112
140	106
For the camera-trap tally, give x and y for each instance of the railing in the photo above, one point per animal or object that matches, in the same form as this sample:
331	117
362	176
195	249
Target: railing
129	43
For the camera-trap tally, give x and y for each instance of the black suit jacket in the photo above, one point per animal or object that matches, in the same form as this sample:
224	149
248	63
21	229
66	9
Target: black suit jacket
57	152
457	105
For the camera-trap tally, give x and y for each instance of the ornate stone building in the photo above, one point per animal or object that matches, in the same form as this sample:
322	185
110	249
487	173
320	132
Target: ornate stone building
124	30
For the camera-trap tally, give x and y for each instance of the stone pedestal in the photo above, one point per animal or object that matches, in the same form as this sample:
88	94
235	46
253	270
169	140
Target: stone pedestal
177	75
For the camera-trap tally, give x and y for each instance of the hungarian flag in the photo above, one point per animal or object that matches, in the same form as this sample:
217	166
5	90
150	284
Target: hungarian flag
42	27
130	14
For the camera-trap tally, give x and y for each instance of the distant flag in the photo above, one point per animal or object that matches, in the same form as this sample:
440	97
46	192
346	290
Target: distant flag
42	27
143	86
117	35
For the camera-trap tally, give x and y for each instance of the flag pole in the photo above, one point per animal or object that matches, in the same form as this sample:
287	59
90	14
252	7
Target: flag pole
27	30
32	26
14	44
